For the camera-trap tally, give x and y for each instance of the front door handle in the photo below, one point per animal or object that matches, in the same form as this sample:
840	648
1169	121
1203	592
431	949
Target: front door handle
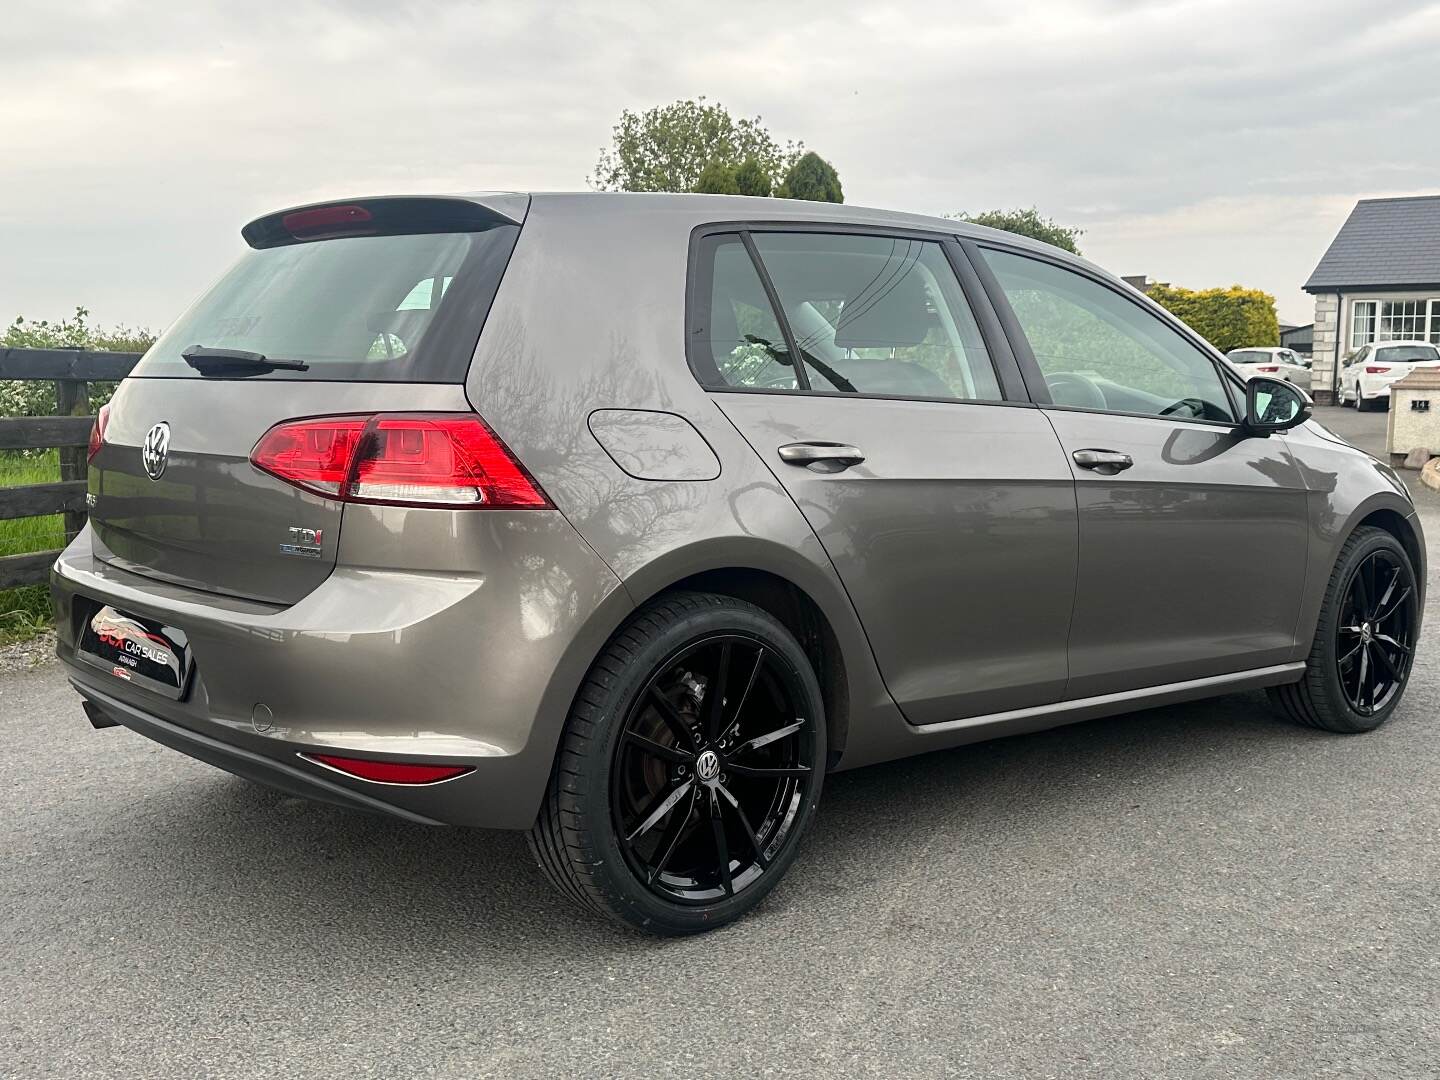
1107	462
821	456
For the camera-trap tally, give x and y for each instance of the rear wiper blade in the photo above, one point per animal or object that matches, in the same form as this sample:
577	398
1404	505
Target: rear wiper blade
203	358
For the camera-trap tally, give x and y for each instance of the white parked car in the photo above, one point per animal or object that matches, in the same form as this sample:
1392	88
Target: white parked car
1365	377
1272	363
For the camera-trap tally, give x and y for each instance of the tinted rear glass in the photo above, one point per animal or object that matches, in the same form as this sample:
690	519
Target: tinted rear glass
399	308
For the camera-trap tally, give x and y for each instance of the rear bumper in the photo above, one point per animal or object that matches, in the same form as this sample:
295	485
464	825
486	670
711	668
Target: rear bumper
285	776
1373	388
475	669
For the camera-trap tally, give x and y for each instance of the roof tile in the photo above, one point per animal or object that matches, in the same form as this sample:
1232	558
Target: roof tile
1384	242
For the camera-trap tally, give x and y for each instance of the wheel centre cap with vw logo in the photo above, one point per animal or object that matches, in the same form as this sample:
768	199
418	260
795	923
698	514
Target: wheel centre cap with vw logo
707	765
155	450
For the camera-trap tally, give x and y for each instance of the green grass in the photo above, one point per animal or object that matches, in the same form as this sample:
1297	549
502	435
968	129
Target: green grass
25	612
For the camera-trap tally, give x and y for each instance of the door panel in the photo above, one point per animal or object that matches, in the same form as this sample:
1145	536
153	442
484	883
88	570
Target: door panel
1192	560
1192	538
955	537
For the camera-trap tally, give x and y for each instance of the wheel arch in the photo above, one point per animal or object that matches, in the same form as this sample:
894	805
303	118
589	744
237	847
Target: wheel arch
1382	510
1402	527
797	611
800	588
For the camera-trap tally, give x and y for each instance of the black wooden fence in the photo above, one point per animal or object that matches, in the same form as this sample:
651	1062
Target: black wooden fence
71	370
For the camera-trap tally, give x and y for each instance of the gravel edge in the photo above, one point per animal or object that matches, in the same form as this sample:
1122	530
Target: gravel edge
23	656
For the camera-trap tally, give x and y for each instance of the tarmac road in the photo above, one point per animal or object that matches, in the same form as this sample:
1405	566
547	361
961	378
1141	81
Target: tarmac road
1198	891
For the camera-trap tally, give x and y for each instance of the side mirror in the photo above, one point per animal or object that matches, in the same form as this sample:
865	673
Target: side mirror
1307	364
1274	405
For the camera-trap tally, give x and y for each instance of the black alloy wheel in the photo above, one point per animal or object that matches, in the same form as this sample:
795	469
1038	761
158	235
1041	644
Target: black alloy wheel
689	768
715	760
1375	632
1365	637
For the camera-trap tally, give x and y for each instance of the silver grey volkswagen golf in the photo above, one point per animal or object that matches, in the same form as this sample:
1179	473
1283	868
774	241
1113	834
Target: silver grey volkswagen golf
623	519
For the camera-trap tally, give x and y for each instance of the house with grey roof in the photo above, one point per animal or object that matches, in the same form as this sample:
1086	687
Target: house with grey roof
1379	281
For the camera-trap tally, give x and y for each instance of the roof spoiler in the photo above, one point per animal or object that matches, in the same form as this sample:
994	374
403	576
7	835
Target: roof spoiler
386	216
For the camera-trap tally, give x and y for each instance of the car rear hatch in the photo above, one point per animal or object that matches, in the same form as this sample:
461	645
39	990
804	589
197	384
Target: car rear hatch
356	308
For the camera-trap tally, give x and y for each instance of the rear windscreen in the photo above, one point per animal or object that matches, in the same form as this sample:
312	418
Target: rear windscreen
1407	354
394	308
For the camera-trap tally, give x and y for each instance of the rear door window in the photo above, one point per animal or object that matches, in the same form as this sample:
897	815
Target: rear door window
392	308
737	340
867	314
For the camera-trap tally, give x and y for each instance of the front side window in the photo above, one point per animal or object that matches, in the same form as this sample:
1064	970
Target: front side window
867	315
1099	350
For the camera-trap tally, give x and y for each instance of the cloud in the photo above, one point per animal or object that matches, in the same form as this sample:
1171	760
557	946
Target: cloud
1200	142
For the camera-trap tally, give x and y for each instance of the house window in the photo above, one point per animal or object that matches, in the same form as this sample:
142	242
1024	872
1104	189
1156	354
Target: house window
1362	323
1435	322
1402	320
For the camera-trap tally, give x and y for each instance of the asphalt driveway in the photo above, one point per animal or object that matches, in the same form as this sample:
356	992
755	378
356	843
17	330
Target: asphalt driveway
1198	891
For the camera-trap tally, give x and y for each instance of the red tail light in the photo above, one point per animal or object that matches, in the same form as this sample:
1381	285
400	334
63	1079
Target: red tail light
1376	370
389	772
1267	369
447	460
97	432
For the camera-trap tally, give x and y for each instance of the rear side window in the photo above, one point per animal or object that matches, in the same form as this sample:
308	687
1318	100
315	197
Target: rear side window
391	308
867	314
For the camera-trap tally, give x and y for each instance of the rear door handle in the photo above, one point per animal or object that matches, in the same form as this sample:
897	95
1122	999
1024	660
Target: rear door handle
1108	462
824	456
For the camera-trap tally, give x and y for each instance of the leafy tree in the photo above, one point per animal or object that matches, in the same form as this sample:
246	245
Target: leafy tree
1227	318
717	178
813	178
752	179
1027	223
668	147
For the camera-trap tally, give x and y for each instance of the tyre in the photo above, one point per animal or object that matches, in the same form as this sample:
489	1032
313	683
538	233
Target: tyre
689	768
1364	643
1361	405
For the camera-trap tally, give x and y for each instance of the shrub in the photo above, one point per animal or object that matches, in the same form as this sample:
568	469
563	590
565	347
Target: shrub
752	179
717	178
813	178
33	398
1227	318
1027	223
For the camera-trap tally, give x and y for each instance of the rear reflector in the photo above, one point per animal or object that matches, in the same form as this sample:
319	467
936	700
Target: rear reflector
389	772
97	432
1376	370
449	460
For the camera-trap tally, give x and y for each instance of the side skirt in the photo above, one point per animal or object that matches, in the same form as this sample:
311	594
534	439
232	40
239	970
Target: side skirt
917	739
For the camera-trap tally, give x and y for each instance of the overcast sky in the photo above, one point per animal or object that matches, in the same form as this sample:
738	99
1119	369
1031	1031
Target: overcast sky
1201	142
